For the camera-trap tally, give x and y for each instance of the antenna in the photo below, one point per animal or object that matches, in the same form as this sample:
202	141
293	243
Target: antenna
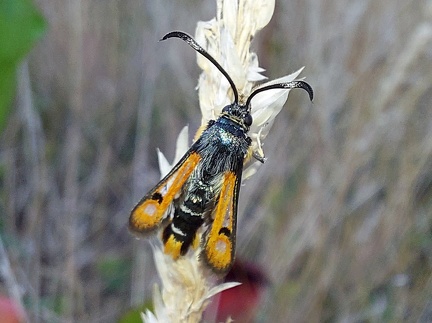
192	43
288	85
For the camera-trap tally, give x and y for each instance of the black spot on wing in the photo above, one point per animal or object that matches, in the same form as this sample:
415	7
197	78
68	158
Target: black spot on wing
157	197
225	231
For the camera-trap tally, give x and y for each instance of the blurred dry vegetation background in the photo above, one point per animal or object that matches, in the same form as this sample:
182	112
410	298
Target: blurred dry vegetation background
340	215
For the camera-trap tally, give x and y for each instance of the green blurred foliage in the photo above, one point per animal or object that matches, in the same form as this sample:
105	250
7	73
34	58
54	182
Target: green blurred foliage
115	272
133	315
21	25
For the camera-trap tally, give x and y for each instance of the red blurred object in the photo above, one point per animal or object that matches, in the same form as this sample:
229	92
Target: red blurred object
9	311
241	302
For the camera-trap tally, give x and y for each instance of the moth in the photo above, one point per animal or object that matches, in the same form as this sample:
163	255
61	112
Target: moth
202	189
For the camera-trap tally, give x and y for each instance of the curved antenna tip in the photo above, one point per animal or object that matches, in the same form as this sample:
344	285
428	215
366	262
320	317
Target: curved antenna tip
192	43
288	85
305	86
178	34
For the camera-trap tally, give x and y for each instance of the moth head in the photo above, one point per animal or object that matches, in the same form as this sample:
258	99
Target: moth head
238	113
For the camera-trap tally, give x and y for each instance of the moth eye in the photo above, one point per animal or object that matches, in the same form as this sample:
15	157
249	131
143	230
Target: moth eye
226	109
248	120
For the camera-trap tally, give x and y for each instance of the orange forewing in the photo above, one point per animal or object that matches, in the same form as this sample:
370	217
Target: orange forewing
220	243
149	212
